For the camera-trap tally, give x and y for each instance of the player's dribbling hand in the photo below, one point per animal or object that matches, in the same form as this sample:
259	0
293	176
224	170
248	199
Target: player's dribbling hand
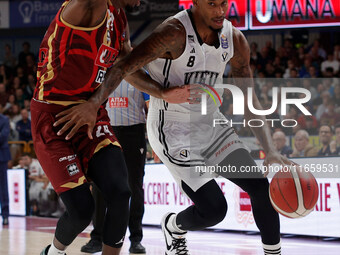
183	94
76	117
276	158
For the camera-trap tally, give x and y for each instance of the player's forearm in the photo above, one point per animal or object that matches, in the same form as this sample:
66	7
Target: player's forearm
112	80
144	83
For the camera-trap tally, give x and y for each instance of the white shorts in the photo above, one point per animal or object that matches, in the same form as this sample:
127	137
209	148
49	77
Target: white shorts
184	146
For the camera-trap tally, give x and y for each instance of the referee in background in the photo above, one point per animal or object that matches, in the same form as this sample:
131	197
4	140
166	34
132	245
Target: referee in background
126	108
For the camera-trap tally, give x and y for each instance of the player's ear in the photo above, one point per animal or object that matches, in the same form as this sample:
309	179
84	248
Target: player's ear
195	2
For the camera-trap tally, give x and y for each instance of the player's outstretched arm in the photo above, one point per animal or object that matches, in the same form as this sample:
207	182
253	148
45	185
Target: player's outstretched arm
243	77
167	41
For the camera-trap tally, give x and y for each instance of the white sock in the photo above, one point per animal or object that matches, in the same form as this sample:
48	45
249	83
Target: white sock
274	249
54	251
172	226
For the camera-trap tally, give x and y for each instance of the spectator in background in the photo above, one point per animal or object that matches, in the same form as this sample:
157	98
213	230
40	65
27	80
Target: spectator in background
326	96
302	147
336	97
29	89
9	104
38	184
5	156
330	117
14	113
335	145
30	67
254	54
309	123
325	136
9	59
330	62
3	75
20	97
337	52
305	67
26	51
279	139
307	84
24	127
3	95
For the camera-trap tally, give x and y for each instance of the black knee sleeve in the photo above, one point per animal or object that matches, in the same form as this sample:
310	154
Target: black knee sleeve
210	207
108	171
79	210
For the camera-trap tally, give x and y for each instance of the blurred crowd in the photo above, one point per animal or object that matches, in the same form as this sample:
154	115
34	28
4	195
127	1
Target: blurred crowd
316	68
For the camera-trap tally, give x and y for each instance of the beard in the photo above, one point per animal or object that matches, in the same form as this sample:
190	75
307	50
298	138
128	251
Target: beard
216	30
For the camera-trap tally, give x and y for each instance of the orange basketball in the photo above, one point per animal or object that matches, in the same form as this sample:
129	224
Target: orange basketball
293	192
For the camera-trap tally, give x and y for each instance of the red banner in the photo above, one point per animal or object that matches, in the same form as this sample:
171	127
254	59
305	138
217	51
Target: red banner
272	14
275	14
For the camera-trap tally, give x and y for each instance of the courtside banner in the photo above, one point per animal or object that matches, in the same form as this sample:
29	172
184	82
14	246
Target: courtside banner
33	13
17	191
162	194
276	14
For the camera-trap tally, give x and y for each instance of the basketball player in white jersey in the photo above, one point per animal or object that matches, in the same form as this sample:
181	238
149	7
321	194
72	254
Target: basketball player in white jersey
194	47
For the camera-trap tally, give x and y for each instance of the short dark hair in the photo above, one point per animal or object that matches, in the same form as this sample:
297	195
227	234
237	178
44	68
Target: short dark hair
326	125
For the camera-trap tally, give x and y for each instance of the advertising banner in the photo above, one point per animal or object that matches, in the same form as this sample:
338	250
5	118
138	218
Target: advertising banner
33	13
4	14
162	195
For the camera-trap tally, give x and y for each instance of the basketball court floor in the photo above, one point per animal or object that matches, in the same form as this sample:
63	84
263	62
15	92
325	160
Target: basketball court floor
28	235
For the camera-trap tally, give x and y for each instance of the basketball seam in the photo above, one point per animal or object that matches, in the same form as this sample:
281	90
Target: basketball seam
293	211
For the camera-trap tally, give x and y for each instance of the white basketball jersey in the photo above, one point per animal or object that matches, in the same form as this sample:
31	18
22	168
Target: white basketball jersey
199	63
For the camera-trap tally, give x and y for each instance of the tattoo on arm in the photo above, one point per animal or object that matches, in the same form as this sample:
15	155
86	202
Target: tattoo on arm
166	41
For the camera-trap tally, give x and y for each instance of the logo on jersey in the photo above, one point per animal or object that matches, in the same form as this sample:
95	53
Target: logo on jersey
72	169
184	154
224	56
119	102
43	56
100	76
224	42
193	50
106	56
202	77
68	158
109	24
191	38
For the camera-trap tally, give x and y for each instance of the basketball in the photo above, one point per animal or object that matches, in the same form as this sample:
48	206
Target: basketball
293	192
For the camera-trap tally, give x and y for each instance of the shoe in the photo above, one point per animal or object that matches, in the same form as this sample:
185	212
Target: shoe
92	246
5	221
176	243
137	247
45	250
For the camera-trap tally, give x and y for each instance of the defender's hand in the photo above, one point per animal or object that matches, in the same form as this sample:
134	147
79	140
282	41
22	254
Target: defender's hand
182	94
76	117
276	158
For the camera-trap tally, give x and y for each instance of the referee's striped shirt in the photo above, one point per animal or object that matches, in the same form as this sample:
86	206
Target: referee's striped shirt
125	105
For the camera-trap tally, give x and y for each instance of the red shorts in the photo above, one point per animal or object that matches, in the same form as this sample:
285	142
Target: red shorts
65	162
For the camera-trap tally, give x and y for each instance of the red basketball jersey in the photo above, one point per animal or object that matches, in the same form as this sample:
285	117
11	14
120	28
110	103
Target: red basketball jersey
73	60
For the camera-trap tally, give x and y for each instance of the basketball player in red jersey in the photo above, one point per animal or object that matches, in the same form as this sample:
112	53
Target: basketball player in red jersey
82	42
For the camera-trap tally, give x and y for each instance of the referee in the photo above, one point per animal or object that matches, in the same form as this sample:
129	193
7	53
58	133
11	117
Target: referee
126	109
